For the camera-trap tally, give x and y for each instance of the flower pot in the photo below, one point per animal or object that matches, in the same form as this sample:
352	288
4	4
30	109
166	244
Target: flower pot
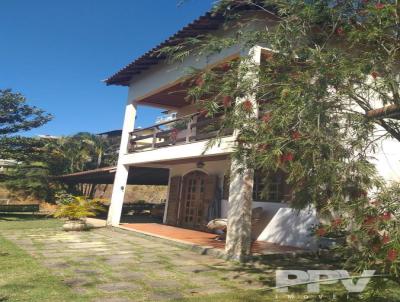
74	225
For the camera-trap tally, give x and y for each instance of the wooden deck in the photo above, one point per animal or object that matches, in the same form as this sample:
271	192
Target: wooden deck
204	239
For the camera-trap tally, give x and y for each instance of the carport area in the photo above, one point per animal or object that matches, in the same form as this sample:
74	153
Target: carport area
89	182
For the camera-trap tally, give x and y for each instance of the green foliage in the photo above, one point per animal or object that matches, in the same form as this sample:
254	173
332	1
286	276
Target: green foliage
40	159
75	207
30	181
371	227
21	148
16	116
326	65
64	198
84	151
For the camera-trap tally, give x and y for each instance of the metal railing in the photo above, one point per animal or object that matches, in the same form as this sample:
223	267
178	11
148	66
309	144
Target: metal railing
183	130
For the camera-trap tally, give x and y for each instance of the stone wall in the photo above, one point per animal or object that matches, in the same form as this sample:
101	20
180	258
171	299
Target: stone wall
5	195
153	194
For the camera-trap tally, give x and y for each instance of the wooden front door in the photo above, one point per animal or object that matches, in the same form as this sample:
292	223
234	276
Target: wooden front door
173	200
197	194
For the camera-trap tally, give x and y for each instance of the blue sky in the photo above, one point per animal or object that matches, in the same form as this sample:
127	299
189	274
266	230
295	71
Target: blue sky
57	52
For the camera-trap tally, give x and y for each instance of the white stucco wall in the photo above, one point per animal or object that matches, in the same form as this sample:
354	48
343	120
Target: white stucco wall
270	207
218	168
387	159
290	227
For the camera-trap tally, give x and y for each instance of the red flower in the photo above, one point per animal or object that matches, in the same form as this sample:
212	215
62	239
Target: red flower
379	5
374	74
385	239
287	157
336	222
247	105
321	232
227	101
386	216
199	81
203	112
369	220
225	66
266	117
296	135
340	31
392	255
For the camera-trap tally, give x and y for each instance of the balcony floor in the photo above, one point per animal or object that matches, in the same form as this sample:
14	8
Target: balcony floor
204	239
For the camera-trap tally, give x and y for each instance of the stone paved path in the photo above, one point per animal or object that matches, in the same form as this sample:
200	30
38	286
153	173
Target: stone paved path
106	265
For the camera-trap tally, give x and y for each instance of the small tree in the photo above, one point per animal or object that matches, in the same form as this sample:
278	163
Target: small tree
327	64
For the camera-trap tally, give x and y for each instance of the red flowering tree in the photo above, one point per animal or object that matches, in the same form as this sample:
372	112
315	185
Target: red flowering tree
328	64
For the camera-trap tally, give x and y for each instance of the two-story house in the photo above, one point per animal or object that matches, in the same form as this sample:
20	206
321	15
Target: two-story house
202	183
199	185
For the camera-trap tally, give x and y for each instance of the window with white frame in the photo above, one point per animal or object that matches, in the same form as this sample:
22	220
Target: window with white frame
268	187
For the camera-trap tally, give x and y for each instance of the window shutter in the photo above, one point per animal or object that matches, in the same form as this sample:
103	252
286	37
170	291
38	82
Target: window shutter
173	200
226	184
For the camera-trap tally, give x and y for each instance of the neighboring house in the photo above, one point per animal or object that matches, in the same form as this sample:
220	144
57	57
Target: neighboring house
113	139
7	165
202	184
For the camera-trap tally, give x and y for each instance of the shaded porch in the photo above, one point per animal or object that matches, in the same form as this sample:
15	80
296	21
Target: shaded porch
205	240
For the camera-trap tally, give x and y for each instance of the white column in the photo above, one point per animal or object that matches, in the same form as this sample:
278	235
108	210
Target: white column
121	175
238	239
166	201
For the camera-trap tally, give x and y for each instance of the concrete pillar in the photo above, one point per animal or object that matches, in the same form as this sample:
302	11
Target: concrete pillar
238	239
164	221
121	175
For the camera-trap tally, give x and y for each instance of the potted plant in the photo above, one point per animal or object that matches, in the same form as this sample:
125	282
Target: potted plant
75	210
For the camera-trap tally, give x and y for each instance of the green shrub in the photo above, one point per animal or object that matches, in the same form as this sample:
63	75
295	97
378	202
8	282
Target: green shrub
76	207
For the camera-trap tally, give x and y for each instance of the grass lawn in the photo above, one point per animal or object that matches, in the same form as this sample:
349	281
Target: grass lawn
27	221
23	278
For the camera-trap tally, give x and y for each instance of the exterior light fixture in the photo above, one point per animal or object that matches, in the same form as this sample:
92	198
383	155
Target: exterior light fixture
200	164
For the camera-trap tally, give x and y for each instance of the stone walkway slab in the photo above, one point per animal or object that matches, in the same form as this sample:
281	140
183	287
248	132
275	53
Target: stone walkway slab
105	265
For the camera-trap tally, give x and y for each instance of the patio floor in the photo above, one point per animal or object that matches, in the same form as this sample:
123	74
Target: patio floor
204	239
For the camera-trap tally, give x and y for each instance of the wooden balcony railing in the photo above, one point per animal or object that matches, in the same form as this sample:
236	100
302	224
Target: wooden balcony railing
182	130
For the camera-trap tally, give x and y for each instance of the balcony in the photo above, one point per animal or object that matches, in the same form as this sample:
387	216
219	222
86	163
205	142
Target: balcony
179	131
